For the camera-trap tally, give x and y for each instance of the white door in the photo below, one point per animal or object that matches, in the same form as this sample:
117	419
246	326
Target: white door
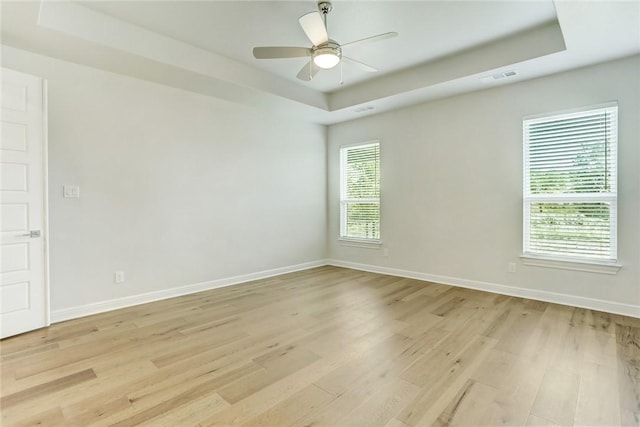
23	285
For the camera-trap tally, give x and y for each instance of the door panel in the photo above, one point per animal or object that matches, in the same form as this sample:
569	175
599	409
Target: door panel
23	287
14	137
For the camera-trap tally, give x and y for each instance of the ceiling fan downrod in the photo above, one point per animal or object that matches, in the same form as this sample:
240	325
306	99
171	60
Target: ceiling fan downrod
325	7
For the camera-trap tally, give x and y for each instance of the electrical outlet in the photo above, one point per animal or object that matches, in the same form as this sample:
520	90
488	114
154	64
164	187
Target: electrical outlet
118	277
512	267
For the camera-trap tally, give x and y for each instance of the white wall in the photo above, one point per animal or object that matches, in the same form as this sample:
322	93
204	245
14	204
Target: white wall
176	188
451	183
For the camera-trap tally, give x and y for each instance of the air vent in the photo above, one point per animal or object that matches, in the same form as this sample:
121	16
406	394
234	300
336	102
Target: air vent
499	76
363	109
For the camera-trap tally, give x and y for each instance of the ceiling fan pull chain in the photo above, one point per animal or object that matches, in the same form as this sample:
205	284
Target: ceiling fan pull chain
341	76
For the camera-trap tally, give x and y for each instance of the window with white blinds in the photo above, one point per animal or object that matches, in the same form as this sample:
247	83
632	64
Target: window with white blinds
360	192
570	188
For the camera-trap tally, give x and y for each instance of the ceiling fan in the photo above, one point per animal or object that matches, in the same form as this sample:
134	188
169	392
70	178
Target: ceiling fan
325	52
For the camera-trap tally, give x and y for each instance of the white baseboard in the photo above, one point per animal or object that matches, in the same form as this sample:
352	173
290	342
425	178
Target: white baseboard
100	307
558	298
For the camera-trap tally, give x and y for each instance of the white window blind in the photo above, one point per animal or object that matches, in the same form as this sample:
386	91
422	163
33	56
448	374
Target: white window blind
360	192
570	188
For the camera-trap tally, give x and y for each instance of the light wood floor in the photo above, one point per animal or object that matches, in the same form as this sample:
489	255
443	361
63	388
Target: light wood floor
333	347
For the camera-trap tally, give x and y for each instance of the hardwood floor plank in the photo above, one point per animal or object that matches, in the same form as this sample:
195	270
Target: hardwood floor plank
600	347
535	421
35	392
191	413
385	402
569	353
277	365
394	422
439	389
269	396
198	345
292	409
28	351
628	352
473	405
516	338
511	311
91	350
449	353
100	412
175	403
52	417
598	402
371	363
336	410
148	397
556	400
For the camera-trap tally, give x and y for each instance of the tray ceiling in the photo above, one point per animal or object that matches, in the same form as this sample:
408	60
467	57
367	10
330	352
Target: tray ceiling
443	47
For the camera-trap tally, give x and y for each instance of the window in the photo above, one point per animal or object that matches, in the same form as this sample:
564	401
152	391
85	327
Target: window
570	188
360	192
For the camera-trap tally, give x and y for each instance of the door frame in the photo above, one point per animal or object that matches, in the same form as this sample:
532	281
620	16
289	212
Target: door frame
45	201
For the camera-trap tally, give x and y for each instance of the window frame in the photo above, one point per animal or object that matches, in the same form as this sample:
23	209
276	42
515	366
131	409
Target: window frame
572	262
343	237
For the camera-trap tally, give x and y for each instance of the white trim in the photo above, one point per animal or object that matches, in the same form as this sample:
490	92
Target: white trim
574	197
571	111
45	205
360	243
368	143
554	297
345	201
591	266
114	304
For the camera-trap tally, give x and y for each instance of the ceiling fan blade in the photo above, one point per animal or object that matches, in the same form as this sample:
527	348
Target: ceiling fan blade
307	74
313	26
361	65
377	38
269	52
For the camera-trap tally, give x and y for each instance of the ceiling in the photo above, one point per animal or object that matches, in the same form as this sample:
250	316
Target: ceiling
443	47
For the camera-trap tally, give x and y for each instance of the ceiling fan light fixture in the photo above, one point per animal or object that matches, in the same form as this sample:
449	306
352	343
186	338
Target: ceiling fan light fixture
327	55
326	60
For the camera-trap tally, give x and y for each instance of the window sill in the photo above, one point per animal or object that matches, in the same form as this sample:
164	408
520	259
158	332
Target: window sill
602	267
360	243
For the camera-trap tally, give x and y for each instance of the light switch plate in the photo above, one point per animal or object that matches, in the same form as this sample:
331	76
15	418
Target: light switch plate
71	191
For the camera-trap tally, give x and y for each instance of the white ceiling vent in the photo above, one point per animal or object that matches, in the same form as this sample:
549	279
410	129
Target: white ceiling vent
363	109
499	76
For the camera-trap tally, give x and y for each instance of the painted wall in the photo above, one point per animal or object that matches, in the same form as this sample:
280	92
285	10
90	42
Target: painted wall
176	188
451	183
